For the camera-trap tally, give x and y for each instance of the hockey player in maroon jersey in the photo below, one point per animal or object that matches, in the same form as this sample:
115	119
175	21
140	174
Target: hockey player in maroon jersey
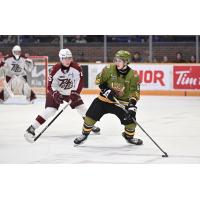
14	69
65	83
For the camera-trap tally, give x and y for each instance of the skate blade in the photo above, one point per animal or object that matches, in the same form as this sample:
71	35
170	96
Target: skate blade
96	133
76	145
29	139
133	143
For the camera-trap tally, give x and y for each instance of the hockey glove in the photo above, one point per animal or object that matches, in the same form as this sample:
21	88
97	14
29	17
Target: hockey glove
132	109
74	96
58	98
107	92
29	61
1	63
75	99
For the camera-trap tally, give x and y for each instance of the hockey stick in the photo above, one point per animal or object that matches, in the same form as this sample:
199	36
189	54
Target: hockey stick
123	107
51	121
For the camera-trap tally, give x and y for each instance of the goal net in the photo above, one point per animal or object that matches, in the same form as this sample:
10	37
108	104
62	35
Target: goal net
37	78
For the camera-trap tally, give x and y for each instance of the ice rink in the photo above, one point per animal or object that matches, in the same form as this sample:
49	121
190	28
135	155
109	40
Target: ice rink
173	122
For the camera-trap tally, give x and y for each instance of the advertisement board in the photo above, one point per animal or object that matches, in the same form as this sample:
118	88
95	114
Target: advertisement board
186	77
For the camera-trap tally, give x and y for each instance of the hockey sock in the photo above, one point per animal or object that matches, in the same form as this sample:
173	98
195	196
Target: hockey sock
48	112
129	130
81	110
88	124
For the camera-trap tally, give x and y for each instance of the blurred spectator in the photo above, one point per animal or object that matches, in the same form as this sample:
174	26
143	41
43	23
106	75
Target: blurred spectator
165	59
137	57
193	59
119	38
10	39
27	55
179	58
154	60
139	38
56	40
94	38
156	38
79	39
1	57
81	57
1	39
65	40
27	39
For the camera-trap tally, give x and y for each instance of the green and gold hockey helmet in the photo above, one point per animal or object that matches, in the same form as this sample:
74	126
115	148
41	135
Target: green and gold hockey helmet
123	55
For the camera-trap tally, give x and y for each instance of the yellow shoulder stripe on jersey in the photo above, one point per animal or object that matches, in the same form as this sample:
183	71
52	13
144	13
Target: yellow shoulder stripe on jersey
104	99
97	81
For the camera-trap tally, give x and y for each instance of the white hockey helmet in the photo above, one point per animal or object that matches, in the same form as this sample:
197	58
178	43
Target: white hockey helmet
16	51
65	53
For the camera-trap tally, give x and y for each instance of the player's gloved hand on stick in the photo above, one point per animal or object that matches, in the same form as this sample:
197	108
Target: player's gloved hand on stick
75	99
107	92
132	108
74	96
58	98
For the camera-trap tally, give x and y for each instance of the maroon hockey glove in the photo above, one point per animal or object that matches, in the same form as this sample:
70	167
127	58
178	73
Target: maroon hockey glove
58	98
1	63
75	99
74	96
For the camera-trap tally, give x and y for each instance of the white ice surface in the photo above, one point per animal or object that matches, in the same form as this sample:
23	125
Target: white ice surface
173	122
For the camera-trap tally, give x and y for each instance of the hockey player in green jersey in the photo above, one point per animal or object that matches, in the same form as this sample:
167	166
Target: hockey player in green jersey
116	81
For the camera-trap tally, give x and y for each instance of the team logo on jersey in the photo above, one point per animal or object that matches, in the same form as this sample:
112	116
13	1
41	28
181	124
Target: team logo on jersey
113	77
65	83
118	88
16	67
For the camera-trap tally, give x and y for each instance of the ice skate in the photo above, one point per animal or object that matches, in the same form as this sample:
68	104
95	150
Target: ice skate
131	139
96	130
79	140
30	134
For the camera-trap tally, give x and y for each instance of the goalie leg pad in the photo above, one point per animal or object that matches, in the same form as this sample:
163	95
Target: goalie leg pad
26	90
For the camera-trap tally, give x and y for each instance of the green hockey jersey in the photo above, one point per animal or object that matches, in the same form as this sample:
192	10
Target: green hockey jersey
125	86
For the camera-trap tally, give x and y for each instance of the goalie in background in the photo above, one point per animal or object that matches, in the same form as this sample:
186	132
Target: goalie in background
14	70
116	81
65	83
